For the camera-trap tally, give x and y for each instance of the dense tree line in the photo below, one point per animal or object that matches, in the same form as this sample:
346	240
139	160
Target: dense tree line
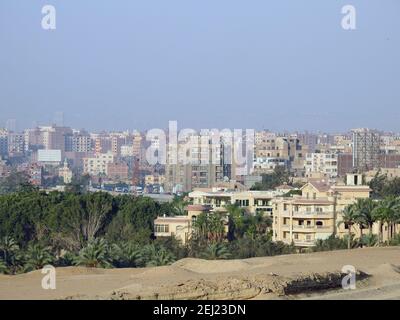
100	230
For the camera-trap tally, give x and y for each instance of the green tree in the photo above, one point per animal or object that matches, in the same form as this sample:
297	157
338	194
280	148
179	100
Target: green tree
370	240
349	218
179	206
236	221
16	181
155	256
216	251
127	255
387	211
377	185
95	255
9	248
37	257
209	227
364	209
270	181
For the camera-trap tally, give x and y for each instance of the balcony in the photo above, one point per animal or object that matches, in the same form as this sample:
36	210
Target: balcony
300	243
304	228
313	214
313	228
304	243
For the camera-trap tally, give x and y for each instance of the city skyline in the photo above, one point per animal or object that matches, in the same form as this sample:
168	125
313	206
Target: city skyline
138	65
12	125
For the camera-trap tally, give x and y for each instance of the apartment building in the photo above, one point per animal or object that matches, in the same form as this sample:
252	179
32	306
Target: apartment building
3	142
54	138
78	142
198	164
102	143
366	149
16	144
251	201
325	163
97	165
315	214
271	150
117	171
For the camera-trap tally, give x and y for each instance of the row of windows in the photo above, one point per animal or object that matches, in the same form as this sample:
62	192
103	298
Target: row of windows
162	228
308	209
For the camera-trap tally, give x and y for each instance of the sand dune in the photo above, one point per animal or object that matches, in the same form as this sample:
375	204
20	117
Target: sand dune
301	276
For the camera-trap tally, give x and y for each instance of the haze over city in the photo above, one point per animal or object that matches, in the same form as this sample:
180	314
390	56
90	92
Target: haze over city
199	150
137	64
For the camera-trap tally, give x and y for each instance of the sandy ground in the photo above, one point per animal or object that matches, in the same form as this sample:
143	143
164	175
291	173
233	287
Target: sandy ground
256	278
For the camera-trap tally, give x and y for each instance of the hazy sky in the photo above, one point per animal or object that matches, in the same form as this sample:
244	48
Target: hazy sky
206	63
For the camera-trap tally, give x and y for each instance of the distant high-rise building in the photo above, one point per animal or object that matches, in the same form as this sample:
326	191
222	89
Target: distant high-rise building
54	137
78	142
16	144
200	164
366	149
325	163
3	142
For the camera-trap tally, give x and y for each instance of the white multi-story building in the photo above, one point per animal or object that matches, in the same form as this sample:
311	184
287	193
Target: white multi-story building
325	163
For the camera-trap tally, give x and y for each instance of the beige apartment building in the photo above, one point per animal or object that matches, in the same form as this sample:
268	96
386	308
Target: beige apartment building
315	214
97	165
271	150
251	201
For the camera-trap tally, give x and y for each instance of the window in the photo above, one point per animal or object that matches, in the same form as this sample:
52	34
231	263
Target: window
162	228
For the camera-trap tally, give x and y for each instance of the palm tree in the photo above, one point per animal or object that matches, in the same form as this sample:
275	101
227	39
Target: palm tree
349	218
157	256
179	206
370	240
209	227
126	255
257	225
236	221
387	212
94	255
37	257
216	251
8	248
365	209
